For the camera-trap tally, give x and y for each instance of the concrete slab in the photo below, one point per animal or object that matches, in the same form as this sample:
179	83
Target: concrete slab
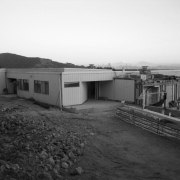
95	104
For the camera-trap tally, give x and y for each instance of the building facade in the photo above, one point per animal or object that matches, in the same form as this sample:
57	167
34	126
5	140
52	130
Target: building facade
71	86
59	87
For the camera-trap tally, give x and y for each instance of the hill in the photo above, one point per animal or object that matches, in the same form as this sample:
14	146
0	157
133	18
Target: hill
8	60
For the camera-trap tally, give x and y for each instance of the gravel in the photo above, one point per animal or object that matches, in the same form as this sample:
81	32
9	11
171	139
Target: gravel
39	144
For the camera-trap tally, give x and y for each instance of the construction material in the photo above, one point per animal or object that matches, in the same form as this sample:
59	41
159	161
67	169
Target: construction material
154	123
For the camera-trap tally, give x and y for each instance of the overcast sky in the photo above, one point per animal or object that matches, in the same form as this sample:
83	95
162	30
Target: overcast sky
92	31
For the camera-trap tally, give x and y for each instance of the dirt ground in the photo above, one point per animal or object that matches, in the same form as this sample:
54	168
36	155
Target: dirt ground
114	149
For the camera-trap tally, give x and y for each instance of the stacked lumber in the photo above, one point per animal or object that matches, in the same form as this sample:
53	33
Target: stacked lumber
160	125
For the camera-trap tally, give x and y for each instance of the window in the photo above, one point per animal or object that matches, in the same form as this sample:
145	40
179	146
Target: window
41	87
26	84
71	84
23	84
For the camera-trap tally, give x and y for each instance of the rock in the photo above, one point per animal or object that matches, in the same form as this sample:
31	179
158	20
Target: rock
65	158
57	167
71	155
58	177
92	134
28	137
64	165
51	161
8	146
79	152
2	168
2	162
82	145
70	163
7	166
43	155
15	167
49	166
77	171
44	176
55	171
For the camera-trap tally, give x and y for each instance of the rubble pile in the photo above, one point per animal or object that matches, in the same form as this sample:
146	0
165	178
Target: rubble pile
10	108
35	148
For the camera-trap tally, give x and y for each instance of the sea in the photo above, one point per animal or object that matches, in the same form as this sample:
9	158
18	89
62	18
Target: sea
167	72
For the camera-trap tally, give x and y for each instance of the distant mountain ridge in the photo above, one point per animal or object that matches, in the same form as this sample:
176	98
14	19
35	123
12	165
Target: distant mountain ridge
8	60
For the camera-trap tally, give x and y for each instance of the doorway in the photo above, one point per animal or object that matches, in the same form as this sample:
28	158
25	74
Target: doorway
93	90
12	86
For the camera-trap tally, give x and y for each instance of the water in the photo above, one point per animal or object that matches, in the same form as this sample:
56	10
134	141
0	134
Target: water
167	72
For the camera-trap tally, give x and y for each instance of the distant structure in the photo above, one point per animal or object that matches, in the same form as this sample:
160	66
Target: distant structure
150	89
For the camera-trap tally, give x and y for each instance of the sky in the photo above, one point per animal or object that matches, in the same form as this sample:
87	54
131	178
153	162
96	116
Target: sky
92	31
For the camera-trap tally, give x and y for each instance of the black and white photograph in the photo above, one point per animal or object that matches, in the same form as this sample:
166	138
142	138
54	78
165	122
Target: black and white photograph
89	89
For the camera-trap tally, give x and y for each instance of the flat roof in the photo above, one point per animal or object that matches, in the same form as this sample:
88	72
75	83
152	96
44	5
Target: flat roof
56	70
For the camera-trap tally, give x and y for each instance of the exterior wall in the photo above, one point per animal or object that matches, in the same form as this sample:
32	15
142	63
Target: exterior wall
106	89
169	91
53	79
118	89
178	91
2	80
124	90
152	95
78	95
71	95
88	76
84	91
75	95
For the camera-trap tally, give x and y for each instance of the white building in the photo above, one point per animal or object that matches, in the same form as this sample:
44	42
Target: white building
72	86
61	86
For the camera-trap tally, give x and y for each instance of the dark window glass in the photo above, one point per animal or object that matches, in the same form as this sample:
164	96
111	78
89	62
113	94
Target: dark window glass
41	87
71	84
23	84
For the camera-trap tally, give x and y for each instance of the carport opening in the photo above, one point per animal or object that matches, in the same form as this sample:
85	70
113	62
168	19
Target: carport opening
93	90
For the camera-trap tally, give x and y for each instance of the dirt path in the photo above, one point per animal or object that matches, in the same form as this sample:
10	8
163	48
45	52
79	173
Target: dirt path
118	150
114	149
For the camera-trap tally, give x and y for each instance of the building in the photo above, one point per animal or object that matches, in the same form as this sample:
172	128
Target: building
149	89
59	87
72	86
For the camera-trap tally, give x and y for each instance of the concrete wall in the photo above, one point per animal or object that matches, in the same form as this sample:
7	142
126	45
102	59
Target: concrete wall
53	79
106	89
78	95
84	91
169	90
124	89
178	91
88	76
118	89
75	95
2	80
152	95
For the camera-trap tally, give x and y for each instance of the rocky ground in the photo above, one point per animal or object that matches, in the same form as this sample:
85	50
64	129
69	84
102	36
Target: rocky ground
38	143
91	144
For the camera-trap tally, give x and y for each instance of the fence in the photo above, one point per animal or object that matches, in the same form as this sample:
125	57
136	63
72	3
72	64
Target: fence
158	124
